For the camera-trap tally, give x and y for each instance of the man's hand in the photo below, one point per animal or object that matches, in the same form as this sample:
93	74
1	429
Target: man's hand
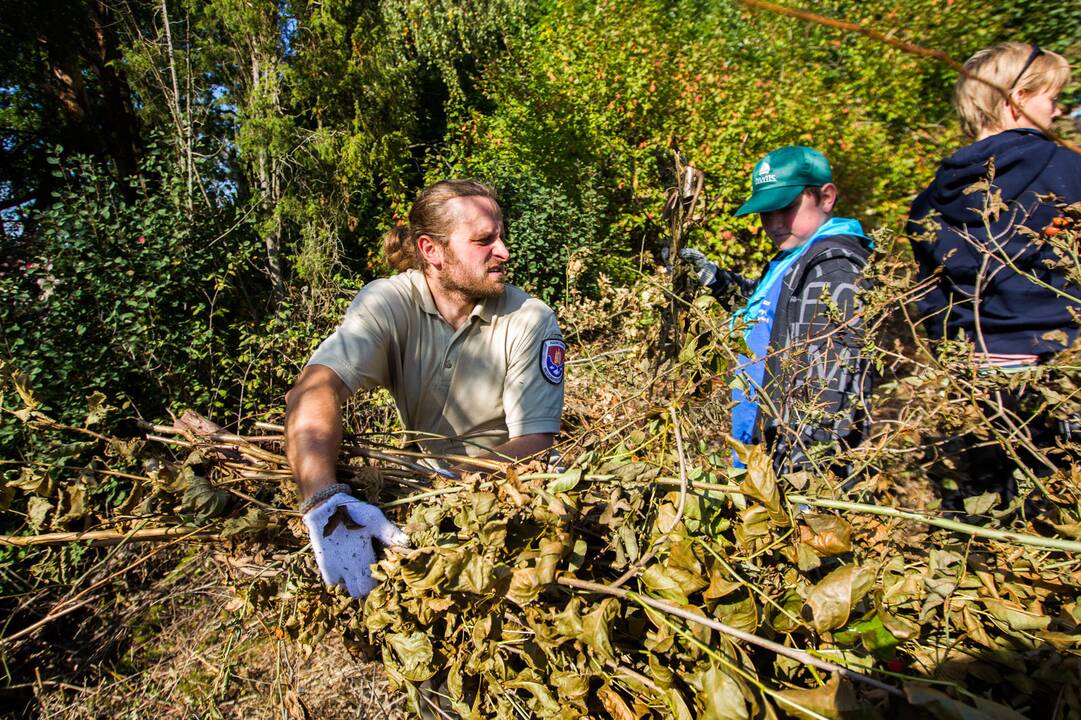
706	271
341	531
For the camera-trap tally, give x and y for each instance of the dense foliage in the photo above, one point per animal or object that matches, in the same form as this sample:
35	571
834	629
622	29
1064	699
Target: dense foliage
273	143
613	588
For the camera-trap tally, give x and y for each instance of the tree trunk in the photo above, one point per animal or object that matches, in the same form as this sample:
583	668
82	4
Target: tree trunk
98	120
273	234
117	122
182	136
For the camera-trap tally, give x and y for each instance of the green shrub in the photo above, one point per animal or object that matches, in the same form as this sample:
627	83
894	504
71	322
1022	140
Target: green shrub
130	298
589	103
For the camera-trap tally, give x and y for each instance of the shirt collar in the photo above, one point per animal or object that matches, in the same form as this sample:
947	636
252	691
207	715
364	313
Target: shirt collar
486	308
421	293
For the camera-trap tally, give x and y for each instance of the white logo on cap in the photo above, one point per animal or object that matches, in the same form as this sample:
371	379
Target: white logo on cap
764	175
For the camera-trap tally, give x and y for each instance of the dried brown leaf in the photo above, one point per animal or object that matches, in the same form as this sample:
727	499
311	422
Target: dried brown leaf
761	484
830	602
615	705
720	696
828	535
1017	617
834	700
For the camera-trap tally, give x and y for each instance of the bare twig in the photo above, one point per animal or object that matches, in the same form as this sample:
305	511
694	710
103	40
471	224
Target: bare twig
56	615
682	470
655	548
1003	535
107	537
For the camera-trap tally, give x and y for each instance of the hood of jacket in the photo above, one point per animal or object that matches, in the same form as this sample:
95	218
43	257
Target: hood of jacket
1018	158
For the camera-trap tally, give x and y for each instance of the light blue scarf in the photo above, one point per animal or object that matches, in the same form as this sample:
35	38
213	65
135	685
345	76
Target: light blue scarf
758	313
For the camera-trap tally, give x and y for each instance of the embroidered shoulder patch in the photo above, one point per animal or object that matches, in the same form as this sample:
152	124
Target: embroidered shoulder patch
552	354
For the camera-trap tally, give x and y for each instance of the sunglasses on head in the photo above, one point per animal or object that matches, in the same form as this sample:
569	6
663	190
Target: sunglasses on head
1036	52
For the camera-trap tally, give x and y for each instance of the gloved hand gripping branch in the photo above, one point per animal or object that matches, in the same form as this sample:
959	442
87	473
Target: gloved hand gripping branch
341	531
706	270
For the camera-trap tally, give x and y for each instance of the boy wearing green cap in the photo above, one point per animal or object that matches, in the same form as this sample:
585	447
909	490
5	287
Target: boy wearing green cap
805	382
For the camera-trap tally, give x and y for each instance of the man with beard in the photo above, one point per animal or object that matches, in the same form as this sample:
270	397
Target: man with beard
475	367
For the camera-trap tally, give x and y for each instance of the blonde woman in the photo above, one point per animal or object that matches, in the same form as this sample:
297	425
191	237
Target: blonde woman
979	232
986	265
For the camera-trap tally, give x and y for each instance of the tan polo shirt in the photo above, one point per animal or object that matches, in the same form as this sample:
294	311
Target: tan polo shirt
498	377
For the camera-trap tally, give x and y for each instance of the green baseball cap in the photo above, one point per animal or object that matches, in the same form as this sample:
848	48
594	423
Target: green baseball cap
780	177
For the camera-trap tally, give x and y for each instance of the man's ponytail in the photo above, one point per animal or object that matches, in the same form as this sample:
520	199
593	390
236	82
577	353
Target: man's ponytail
400	248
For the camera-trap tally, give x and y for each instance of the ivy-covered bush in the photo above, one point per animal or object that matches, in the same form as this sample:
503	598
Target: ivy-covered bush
127	297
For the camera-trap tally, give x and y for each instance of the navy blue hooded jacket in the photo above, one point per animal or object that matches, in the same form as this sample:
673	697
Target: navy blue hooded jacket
1014	312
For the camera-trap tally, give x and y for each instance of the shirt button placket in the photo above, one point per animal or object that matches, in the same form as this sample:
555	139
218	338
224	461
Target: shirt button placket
451	355
448	343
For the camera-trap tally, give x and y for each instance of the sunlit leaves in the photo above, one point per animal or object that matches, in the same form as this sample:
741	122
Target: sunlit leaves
836	700
201	498
720	695
97	409
252	522
411	656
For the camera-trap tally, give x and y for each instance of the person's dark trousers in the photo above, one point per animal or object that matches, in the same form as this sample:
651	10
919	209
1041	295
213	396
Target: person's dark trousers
984	463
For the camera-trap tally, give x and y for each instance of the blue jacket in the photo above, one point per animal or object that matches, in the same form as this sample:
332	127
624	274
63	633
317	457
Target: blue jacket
815	374
1014	312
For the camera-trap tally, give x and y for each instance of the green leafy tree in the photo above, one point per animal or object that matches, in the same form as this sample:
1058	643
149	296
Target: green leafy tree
598	93
125	296
62	84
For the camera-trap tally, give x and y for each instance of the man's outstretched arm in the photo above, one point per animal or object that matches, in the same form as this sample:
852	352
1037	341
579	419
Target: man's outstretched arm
340	527
313	427
519	448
